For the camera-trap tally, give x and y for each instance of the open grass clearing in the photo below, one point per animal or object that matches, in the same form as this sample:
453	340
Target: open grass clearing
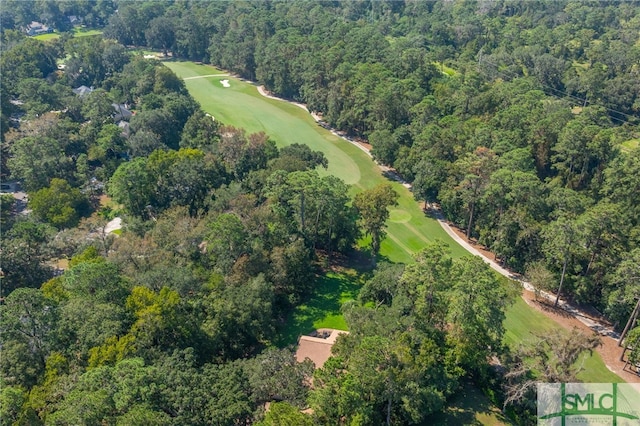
323	308
77	32
445	69
241	105
47	36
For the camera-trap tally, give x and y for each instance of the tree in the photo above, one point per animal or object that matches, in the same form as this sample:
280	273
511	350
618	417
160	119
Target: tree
425	282
160	34
59	204
228	240
242	154
551	358
317	205
633	341
559	246
36	160
131	186
7	204
398	378
160	322
474	171
276	375
300	152
477	301
285	414
430	174
201	132
625	281
24	255
239	318
12	398
28	322
383	286
372	205
87	324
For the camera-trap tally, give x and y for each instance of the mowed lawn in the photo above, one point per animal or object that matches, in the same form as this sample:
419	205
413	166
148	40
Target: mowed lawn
409	229
242	106
77	32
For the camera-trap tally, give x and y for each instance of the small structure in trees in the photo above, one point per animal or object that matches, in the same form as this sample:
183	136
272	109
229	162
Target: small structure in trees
317	345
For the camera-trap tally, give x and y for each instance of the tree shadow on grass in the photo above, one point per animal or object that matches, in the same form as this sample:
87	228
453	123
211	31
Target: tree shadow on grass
469	407
322	310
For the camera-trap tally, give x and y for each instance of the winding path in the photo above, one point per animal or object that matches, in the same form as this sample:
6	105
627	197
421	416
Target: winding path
580	316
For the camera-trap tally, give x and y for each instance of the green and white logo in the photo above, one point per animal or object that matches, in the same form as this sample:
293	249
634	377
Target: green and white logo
563	404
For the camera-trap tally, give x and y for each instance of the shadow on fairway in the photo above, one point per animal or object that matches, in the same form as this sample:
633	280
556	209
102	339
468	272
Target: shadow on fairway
469	407
322	310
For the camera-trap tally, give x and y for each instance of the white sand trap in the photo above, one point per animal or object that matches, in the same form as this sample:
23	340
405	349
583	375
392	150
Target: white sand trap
225	83
150	56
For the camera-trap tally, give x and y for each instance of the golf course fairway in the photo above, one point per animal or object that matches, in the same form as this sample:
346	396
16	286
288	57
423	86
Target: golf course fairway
241	105
408	230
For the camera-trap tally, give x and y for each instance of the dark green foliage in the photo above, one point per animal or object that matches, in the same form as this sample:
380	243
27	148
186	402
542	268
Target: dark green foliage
24	255
60	205
516	118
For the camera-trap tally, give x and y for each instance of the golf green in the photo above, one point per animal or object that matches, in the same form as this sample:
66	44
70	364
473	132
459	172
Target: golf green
241	105
408	230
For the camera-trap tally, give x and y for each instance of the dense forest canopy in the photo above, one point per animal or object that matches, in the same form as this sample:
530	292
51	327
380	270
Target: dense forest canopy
520	119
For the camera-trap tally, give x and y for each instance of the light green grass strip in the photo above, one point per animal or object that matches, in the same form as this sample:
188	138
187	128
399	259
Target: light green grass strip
77	32
523	323
242	106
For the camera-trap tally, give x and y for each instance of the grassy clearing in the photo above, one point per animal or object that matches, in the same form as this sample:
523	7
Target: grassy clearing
323	309
445	69
48	36
77	32
408	231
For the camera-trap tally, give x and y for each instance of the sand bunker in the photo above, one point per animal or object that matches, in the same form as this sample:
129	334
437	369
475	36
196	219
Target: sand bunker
225	83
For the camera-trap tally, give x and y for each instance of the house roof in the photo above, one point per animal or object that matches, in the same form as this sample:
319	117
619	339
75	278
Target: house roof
317	349
82	90
121	112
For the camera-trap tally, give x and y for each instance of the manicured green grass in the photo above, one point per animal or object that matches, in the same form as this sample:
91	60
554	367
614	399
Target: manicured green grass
242	106
77	32
323	308
45	37
595	371
522	323
445	69
84	32
408	232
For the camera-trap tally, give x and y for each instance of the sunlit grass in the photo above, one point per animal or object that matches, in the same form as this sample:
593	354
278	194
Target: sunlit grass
46	37
322	310
242	106
77	32
523	324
